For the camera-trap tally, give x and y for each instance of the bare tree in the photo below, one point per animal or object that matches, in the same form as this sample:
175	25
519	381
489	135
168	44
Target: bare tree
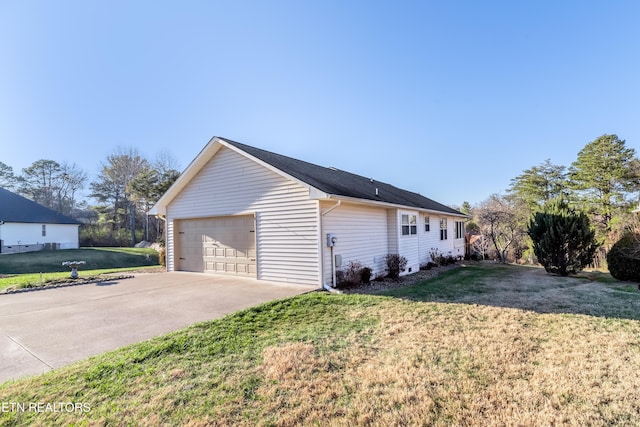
480	244
165	162
72	179
499	223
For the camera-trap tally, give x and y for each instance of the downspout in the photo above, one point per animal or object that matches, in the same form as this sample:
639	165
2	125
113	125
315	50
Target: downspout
326	286
338	203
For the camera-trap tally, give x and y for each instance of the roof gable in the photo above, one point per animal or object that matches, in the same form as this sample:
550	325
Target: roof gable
341	183
15	208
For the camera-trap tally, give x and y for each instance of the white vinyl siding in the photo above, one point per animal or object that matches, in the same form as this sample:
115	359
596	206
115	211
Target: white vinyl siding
362	236
429	239
392	230
170	246
458	243
22	234
409	245
286	219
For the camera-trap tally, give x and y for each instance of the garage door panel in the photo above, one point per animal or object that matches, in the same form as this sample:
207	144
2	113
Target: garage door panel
221	245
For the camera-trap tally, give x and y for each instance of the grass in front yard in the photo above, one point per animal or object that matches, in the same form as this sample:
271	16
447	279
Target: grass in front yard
24	270
325	359
451	285
528	288
95	258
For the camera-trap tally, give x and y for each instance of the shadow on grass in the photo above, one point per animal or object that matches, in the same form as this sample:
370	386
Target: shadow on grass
528	288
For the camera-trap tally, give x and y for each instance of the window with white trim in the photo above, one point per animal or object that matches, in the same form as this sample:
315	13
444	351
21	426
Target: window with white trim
459	229
443	229
409	224
44	230
427	226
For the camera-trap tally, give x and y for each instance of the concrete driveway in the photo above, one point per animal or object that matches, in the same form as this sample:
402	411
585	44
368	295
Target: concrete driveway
46	329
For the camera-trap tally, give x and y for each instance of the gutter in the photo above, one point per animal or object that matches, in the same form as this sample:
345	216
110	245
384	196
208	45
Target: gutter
370	202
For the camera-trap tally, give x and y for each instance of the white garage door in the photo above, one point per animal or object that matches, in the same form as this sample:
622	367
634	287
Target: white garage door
217	245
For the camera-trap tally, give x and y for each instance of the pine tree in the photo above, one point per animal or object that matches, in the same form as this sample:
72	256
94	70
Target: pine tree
563	239
540	184
8	179
603	175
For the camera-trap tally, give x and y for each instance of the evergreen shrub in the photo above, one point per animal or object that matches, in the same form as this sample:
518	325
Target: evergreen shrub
563	240
623	258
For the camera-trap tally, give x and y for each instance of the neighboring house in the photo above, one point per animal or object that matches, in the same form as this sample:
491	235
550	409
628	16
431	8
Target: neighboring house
27	226
241	210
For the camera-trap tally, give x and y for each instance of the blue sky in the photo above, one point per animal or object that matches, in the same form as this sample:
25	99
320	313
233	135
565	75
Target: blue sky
451	99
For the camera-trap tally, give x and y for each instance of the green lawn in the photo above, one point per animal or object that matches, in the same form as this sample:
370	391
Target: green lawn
24	269
461	349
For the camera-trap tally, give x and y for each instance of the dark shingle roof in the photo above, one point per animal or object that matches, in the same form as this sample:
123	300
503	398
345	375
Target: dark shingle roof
15	208
341	183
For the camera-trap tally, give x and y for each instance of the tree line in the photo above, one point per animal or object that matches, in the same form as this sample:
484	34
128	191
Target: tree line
603	183
127	186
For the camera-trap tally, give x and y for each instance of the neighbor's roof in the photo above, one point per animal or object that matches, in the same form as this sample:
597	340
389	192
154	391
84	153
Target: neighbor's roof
342	183
330	181
15	208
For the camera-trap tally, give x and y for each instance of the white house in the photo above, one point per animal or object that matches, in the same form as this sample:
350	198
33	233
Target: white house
27	226
241	210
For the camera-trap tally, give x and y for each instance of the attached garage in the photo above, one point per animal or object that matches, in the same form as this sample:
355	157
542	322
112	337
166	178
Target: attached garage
217	245
240	210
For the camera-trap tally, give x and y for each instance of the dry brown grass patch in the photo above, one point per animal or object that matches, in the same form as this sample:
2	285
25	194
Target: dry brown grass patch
289	362
473	365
